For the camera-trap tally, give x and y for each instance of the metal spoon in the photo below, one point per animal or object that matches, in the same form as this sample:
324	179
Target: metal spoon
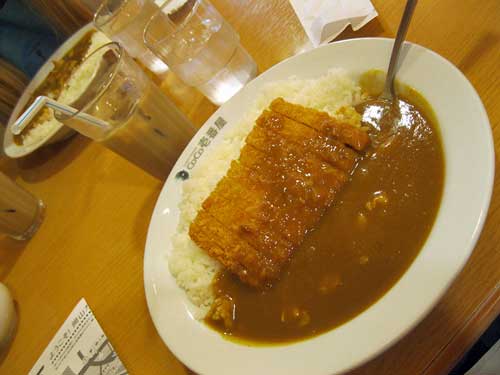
383	113
389	92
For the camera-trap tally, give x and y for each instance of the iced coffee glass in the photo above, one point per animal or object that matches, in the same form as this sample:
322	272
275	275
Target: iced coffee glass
21	213
200	47
123	21
141	123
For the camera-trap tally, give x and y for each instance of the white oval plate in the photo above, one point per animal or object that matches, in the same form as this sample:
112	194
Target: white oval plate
469	159
57	133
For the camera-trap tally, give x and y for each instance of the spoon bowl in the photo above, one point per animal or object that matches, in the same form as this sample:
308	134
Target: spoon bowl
383	114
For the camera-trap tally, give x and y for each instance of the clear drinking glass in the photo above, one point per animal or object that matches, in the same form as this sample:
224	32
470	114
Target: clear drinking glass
141	123
123	21
21	213
200	47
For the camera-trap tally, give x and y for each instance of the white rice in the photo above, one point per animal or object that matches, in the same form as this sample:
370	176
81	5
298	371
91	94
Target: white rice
82	76
72	90
193	269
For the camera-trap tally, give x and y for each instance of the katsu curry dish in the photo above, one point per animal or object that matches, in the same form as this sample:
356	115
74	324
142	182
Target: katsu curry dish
307	212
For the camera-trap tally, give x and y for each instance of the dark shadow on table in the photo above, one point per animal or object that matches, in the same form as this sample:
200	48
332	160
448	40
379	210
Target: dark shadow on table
10	251
373	28
51	159
9	167
144	216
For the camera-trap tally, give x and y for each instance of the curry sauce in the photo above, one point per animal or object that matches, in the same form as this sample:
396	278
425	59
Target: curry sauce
360	248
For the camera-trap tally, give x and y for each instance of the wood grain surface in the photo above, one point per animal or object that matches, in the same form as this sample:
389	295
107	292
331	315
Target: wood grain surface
98	208
12	84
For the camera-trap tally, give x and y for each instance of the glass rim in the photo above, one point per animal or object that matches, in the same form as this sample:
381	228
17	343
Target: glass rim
102	89
176	28
98	13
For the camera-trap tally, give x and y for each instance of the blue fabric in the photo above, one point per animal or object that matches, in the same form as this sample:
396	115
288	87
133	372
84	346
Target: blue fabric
17	13
27	50
25	40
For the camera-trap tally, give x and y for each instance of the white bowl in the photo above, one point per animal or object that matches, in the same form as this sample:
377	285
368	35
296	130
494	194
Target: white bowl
59	132
469	159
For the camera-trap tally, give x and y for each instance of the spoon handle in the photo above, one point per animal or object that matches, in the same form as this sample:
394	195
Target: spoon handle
400	37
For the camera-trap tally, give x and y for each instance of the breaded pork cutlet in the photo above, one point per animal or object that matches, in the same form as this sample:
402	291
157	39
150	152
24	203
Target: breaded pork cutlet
233	252
241	203
329	149
322	122
287	175
303	176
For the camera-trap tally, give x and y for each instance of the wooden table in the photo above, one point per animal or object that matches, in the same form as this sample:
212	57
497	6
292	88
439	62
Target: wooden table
92	241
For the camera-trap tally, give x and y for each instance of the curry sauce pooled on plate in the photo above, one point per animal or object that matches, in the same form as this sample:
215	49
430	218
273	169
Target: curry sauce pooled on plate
318	217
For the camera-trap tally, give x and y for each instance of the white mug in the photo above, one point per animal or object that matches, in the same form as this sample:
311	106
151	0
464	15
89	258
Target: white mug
8	318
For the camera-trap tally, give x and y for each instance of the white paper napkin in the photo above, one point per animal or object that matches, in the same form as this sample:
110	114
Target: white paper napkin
323	20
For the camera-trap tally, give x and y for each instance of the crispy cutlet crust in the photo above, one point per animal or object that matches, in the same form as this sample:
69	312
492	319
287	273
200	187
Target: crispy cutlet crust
330	150
240	204
322	122
308	178
285	198
281	209
229	249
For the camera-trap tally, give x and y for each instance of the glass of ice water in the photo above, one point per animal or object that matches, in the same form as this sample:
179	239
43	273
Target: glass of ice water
199	46
123	21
